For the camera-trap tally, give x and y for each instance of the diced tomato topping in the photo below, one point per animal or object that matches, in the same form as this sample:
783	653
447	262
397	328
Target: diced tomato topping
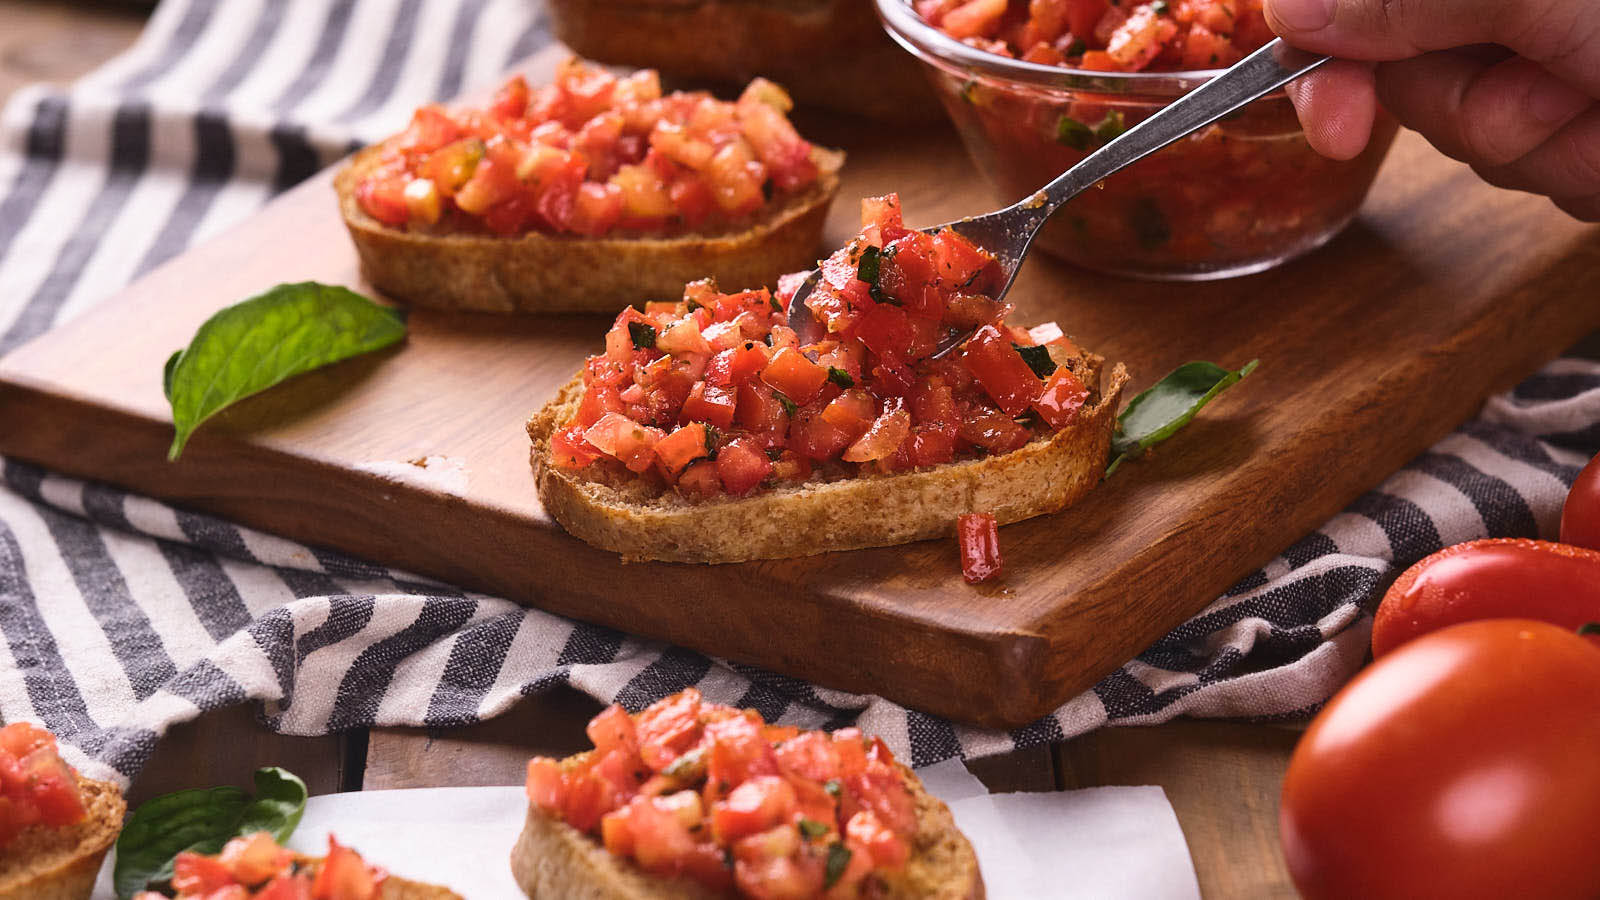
681	447
735	802
1063	396
344	876
794	376
712	404
742	465
588	154
714	396
979	537
1000	369
194	873
1105	35
36	786
668	728
545	785
755	805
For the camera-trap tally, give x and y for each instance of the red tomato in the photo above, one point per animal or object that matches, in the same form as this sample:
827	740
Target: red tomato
287	887
712	404
683	446
979	537
193	873
1000	369
1580	517
571	450
344	876
742	465
700	481
1062	397
1462	765
1489	579
755	805
545	787
669	727
794	376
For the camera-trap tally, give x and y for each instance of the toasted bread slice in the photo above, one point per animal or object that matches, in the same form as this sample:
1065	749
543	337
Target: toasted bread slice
546	273
609	507
394	888
554	861
61	863
828	53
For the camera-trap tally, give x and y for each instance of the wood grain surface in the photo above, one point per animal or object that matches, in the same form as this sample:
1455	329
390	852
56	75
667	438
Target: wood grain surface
1443	291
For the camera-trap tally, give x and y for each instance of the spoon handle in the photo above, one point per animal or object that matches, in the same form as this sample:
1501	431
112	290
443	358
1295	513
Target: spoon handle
1263	71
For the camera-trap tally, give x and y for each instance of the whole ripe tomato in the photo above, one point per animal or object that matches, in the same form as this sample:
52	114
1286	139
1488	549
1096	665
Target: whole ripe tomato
1490	579
1462	765
1580	517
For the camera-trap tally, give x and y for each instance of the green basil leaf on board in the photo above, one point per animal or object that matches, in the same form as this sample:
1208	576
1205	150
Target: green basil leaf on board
202	821
1171	403
251	346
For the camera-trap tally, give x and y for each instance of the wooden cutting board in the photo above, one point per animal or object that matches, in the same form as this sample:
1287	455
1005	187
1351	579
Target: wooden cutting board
1444	291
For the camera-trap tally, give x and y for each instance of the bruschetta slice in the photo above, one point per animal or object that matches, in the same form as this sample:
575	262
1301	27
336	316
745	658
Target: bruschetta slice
706	432
254	867
690	799
55	825
586	195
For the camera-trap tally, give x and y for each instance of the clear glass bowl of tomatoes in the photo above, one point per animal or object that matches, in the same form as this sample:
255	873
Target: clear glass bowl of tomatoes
1240	196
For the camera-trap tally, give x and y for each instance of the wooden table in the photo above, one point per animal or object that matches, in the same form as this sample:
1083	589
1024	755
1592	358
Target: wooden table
1222	778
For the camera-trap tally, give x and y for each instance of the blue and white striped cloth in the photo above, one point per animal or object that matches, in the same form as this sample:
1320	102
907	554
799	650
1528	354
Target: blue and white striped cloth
120	615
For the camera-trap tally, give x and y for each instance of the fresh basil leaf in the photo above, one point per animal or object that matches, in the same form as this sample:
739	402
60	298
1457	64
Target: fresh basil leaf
789	406
1074	134
279	802
838	860
253	345
811	828
1038	359
166	373
643	335
1171	403
833	787
840	377
868	266
201	821
1589	628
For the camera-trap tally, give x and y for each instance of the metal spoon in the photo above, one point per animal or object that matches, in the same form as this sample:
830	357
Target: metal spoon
1009	232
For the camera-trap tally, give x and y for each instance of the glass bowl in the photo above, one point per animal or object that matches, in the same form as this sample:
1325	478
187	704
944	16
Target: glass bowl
1236	197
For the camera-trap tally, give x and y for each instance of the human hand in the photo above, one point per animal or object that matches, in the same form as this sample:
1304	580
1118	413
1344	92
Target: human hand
1508	86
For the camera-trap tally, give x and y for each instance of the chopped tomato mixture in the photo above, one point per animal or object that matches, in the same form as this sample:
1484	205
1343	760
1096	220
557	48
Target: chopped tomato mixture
36	786
254	867
698	790
589	154
978	534
715	395
1107	35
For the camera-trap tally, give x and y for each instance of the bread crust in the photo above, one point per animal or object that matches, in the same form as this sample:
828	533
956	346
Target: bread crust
828	53
62	863
554	861
610	510
547	273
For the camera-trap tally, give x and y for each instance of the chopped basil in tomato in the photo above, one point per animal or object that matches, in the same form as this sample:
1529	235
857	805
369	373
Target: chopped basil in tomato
840	377
1038	359
838	859
642	335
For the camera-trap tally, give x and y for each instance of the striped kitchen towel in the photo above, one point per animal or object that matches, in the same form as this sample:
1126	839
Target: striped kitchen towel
121	615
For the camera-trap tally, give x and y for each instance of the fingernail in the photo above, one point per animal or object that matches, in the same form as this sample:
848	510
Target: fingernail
1302	15
1551	100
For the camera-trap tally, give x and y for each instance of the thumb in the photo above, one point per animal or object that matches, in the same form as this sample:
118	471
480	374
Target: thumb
1559	34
